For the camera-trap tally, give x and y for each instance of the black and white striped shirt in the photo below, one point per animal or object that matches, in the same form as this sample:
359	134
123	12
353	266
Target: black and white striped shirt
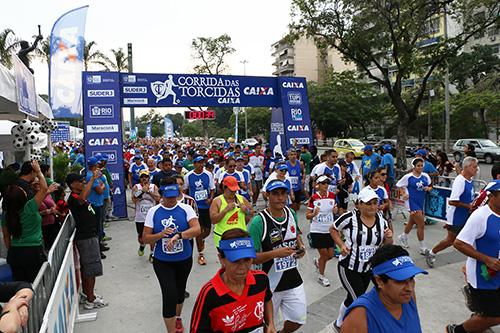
362	240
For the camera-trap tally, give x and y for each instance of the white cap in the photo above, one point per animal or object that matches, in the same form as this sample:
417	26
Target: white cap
367	194
322	178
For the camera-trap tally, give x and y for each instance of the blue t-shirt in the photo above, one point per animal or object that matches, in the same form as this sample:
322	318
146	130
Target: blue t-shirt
429	167
295	175
415	186
388	162
94	198
134	170
370	163
463	191
106	192
247	179
380	320
199	187
160	217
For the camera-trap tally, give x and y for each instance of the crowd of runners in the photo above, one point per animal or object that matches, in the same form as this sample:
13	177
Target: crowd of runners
247	200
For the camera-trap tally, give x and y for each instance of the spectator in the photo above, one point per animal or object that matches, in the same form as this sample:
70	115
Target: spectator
16	297
26	176
47	210
444	168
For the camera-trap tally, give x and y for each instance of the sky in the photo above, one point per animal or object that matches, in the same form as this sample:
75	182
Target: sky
161	31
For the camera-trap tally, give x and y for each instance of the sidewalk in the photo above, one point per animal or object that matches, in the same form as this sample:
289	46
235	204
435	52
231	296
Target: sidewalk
131	287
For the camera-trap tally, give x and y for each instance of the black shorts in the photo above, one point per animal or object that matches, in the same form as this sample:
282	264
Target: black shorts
342	199
139	226
297	196
204	218
486	302
454	228
321	241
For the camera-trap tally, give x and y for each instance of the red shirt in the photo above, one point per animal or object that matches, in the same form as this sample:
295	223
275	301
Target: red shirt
219	309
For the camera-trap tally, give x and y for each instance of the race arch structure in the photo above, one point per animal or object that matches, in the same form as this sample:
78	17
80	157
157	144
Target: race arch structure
105	93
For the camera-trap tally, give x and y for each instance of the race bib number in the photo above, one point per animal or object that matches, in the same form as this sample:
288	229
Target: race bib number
294	180
366	252
325	218
201	195
178	246
284	264
145	208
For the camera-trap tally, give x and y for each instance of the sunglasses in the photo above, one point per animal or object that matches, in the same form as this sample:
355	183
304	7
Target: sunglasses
383	174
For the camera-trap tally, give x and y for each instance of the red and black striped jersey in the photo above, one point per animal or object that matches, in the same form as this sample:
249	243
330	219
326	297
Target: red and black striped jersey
219	309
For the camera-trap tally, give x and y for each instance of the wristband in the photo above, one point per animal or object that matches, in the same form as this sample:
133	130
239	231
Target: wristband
180	234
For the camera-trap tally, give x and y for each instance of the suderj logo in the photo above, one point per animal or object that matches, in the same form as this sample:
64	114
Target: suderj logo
100	93
135	90
294	98
101	111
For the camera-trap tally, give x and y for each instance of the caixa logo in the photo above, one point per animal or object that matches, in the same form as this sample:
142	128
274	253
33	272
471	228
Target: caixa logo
294	98
258	91
101	111
103	142
296	114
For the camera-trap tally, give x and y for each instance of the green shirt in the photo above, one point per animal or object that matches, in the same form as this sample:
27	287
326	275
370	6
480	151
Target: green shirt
306	158
188	164
256	228
106	174
31	226
49	181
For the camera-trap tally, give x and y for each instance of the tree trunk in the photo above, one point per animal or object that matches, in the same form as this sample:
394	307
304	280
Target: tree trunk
401	145
482	119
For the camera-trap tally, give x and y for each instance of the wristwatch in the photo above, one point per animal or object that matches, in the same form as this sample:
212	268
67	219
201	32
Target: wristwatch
179	233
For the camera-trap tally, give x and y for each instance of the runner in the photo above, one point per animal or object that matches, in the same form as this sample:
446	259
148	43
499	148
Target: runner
144	195
230	170
344	188
364	231
388	164
459	207
353	170
374	184
416	183
257	161
281	173
329	167
136	165
199	183
278	244
391	304
479	240
246	188
229	210
369	162
296	173
320	211
170	225
236	299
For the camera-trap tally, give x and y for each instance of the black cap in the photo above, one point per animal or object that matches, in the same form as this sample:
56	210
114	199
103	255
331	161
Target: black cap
26	169
73	177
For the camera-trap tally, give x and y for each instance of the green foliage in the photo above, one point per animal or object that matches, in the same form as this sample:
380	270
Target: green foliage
61	167
211	53
6	44
344	105
258	121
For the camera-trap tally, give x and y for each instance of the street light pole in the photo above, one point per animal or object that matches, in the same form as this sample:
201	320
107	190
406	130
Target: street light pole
130	70
446	93
245	62
429	124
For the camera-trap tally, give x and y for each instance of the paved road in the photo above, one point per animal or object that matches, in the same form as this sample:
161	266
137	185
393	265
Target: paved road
130	286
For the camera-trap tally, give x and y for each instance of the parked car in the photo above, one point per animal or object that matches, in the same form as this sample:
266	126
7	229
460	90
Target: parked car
410	150
219	141
484	149
250	142
349	145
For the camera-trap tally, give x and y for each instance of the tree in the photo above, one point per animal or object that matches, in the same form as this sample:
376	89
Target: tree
6	45
211	52
91	56
118	62
43	50
258	121
390	40
344	104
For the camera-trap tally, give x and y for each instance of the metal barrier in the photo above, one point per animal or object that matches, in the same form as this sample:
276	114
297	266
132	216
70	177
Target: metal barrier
46	277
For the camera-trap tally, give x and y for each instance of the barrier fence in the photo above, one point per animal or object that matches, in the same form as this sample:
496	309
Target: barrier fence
46	278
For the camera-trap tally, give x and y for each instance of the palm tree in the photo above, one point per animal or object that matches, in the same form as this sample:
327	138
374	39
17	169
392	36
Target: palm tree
93	57
6	45
119	62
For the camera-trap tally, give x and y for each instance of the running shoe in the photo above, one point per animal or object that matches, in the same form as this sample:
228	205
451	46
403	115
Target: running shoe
103	247
316	264
201	260
140	252
106	238
430	259
96	304
179	328
335	327
323	280
450	328
403	240
151	258
103	256
423	251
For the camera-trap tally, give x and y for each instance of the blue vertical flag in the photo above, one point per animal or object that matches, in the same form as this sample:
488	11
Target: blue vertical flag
66	63
169	128
148	131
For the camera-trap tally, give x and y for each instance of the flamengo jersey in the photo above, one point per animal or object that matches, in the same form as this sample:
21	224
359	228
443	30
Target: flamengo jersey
160	217
482	231
199	187
415	186
321	223
219	309
463	191
295	174
362	240
282	272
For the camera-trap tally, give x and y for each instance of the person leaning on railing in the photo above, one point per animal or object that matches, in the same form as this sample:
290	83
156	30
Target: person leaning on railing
14	313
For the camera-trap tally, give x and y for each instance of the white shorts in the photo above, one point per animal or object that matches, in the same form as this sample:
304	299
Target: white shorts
292	303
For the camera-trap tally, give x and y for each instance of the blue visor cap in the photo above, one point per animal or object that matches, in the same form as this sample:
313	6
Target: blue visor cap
493	186
237	248
282	167
276	184
198	159
169	191
399	269
387	147
367	147
92	161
